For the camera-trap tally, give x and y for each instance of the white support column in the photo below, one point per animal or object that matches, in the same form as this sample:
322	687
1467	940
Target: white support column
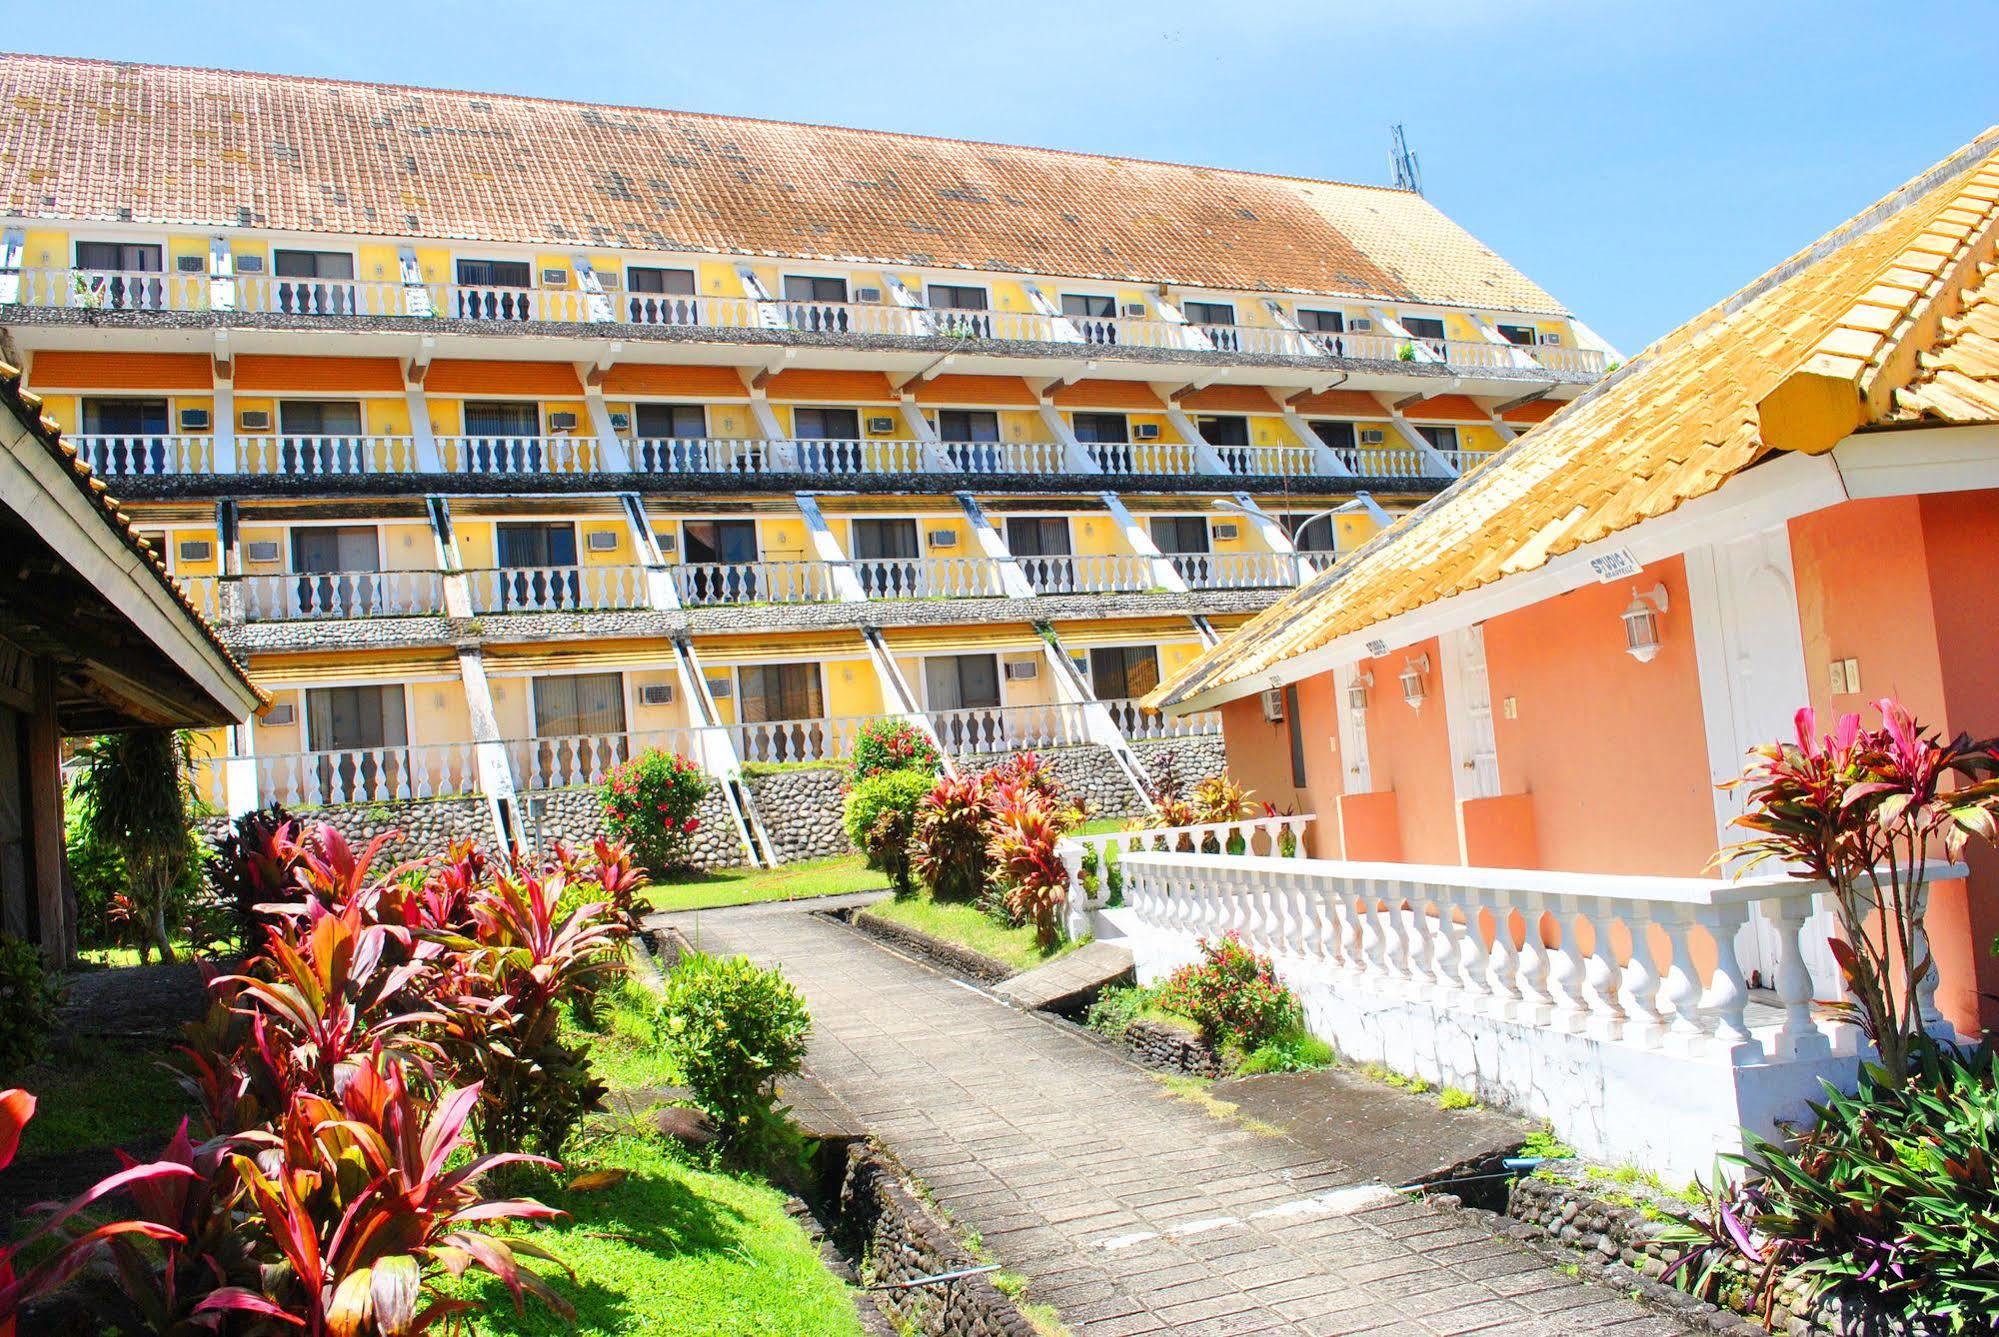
428	460
898	697
1505	429
239	770
915	310
614	455
1078	459
1013	580
496	773
1206	460
221	275
1396	328
1164	573
1325	460
1062	328
13	246
416	293
595	300
920	430
1272	534
660	590
827	545
457	589
222	427
1300	345
1165	309
1520	357
1099	725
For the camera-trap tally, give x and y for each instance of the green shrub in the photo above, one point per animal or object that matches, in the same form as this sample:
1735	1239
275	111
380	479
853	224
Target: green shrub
1542	1144
734	1031
880	815
1117	1007
28	1001
650	804
1893	1190
1233	995
885	745
1456	1098
1295	1051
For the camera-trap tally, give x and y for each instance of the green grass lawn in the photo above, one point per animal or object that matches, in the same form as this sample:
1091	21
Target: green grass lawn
741	886
106	1093
968	926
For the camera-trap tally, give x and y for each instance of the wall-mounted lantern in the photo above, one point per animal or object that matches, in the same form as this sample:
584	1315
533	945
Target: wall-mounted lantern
1413	690
1641	623
1357	692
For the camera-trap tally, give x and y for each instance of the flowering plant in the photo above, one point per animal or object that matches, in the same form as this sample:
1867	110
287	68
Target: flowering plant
884	745
1233	995
649	804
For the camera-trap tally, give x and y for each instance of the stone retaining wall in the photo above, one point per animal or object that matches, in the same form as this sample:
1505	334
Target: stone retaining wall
801	812
962	961
427	825
575	817
1171	1049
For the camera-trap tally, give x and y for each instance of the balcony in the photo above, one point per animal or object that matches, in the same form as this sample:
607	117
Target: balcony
1139	724
388	774
557	589
1242	570
1092	573
318	595
316	298
1269	461
1143	457
713	584
928	577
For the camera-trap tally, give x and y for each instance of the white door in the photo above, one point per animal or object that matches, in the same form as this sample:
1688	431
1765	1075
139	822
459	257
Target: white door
1751	658
1355	777
1468	713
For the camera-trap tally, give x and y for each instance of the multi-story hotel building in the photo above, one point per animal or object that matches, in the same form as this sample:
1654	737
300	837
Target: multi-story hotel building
502	437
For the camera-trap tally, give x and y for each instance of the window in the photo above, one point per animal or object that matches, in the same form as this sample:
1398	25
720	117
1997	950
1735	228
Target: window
960	310
334	549
319	417
312	264
810	288
960	430
537	543
539	564
817	424
885	551
1525	335
661	296
494	290
1443	439
1122	672
1231	430
502	437
313	283
1100	427
117	265
779	692
579	705
125	417
1094	314
961	682
662	421
496	273
642	279
1040	546
729	544
502	419
1180	533
1429	329
1322	322
1339	438
360	733
1209	313
1294	727
1310	533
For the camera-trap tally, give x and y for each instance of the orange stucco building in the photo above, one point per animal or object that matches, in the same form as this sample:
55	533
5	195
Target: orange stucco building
1792	499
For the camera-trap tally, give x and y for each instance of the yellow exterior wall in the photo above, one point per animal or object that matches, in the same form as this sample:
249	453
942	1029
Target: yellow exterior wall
621	555
1036	691
277	740
718	278
784	539
447	417
477	547
46	248
513	706
254	246
1097	534
65	410
190	246
958	526
408	547
249	534
439	713
851	687
386	417
435	261
1176	655
376	262
723	679
644	718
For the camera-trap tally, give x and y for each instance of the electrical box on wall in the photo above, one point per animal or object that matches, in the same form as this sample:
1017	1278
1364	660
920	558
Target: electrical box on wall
881	426
601	540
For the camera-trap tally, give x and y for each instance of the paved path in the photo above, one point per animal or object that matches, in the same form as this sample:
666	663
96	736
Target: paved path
1131	1211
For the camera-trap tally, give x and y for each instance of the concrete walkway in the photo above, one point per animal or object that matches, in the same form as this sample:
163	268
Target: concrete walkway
1129	1210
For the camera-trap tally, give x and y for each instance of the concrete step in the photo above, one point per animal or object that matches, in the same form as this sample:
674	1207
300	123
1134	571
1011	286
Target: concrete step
1070	982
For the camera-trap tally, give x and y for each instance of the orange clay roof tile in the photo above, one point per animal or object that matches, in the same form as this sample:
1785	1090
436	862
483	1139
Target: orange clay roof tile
1685	416
98	140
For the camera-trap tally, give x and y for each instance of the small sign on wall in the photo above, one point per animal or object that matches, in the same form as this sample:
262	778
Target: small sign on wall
1617	564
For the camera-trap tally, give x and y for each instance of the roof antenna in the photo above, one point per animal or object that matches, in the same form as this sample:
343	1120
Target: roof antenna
1402	161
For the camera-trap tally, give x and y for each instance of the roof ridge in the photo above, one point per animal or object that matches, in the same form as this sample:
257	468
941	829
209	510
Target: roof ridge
540	100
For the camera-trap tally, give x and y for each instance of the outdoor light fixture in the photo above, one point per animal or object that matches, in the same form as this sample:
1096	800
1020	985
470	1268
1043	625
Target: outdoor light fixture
1357	692
1641	623
1412	673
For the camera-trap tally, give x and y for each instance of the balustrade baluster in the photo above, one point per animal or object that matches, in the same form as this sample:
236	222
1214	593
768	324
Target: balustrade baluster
1421	966
1537	1003
1799	1037
1474	965
1600	975
1565	972
1448	959
1726	998
1681	991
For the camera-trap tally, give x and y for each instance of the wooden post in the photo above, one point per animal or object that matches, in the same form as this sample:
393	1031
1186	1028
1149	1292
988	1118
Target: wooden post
54	928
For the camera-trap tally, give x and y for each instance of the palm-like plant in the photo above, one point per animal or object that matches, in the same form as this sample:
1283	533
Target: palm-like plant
134	792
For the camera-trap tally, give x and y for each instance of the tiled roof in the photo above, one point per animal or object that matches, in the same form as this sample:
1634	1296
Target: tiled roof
27	407
208	148
1798	360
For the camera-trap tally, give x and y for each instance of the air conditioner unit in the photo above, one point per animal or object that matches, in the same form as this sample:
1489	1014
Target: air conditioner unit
621	422
721	688
1372	436
1360	325
1552	340
196	550
263	550
249	264
555	278
1145	431
880	426
279	716
668	540
1226	529
191	264
867	294
943	538
194	420
610	280
561	422
1273	704
1135	310
255	420
656	694
1023	670
601	540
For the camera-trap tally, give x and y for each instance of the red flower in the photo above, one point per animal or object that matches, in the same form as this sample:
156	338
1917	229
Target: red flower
691	825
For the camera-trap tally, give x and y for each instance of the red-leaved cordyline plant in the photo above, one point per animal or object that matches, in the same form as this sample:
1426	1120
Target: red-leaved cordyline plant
1863	810
356	1196
950	838
164	1279
1021	846
71	1253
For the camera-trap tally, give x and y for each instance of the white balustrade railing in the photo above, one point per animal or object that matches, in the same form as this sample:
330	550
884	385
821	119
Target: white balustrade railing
117	456
544	589
327	456
114	289
1136	722
1089	573
1269	461
1571	361
275	294
1464	461
1093	862
368	774
839	317
927	577
1573	952
465	301
1365	346
977	730
699	455
1235	570
1470	353
779	741
1003	457
704	584
518	454
827	456
339	594
1386	461
1143	457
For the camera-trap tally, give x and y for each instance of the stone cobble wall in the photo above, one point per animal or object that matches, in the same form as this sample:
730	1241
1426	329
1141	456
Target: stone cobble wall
881	1220
574	817
427	826
1617	1225
1193	759
1171	1049
801	812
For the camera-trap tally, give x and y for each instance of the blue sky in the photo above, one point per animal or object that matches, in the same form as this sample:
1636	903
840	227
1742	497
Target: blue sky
1639	161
